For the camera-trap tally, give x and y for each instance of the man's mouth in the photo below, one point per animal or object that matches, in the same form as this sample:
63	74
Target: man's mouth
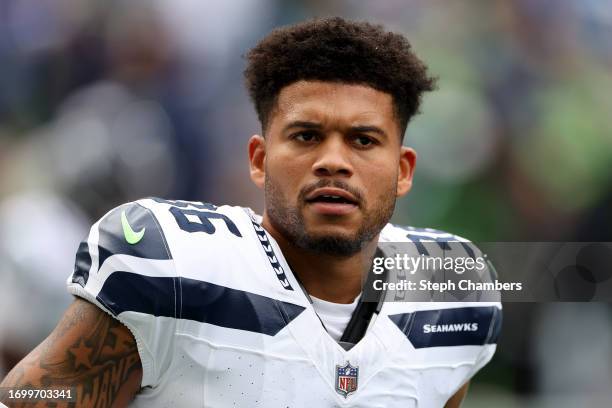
332	201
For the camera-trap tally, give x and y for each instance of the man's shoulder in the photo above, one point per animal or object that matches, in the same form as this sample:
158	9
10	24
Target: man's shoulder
173	217
442	252
426	241
141	255
150	230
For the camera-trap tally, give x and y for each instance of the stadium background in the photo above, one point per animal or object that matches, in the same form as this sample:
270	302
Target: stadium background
102	102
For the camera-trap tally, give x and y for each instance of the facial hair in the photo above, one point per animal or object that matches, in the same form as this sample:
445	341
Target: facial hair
288	219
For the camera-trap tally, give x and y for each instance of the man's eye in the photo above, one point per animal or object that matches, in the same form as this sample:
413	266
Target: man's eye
364	141
305	136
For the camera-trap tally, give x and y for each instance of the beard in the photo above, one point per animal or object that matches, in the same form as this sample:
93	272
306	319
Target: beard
288	219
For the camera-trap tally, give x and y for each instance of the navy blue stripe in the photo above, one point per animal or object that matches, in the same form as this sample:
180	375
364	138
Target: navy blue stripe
466	326
82	264
201	301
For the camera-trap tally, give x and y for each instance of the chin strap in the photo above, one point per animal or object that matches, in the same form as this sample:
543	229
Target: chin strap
366	312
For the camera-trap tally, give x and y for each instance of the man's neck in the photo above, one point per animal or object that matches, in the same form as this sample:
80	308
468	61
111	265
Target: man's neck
327	277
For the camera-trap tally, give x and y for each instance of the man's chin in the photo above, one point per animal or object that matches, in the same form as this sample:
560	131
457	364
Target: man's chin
332	232
331	244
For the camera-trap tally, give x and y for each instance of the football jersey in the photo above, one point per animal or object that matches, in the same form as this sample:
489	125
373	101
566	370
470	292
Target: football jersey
220	320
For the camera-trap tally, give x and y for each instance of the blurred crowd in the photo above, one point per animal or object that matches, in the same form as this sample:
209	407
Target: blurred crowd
103	102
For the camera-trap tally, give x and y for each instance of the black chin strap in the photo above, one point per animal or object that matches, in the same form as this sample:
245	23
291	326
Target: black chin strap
365	311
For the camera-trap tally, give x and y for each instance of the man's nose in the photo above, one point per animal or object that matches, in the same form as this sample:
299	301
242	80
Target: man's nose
333	158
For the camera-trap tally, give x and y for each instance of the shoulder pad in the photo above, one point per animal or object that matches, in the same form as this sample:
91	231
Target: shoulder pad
129	229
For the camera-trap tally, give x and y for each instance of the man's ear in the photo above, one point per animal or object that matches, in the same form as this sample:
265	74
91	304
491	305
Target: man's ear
406	170
257	160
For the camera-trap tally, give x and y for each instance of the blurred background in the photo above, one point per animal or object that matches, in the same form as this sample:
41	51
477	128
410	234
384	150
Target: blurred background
103	102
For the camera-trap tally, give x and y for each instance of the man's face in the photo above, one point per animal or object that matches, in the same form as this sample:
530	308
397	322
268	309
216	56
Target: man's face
332	165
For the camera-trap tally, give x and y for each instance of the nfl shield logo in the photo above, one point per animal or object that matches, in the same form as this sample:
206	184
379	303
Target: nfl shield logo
346	379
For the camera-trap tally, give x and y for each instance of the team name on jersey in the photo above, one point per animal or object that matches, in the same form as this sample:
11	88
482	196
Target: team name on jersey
445	328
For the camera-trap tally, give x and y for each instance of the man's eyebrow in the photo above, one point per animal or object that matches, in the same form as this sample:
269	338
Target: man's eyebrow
368	129
303	124
314	125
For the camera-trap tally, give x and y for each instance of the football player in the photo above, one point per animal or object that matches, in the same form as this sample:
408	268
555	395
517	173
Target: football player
188	304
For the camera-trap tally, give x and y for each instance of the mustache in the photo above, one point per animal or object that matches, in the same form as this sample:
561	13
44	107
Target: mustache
306	190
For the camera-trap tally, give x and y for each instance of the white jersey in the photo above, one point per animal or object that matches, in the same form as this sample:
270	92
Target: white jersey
220	320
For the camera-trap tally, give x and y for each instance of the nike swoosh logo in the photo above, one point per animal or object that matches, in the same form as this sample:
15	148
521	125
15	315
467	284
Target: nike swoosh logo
131	236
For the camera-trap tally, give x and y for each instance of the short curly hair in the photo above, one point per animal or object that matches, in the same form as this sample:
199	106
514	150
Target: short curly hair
337	50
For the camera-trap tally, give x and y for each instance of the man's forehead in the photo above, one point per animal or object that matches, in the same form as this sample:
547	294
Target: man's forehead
318	98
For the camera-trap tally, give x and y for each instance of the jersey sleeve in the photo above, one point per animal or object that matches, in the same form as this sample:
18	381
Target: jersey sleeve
488	300
125	268
462	303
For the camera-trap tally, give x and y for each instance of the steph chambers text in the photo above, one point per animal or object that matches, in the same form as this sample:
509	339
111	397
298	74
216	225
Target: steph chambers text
461	285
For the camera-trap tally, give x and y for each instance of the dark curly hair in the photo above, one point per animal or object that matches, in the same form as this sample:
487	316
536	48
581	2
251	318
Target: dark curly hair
337	50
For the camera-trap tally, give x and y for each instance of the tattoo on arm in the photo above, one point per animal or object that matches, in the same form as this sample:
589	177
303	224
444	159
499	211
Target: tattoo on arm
89	350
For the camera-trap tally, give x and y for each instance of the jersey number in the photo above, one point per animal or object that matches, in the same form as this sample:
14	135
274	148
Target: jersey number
200	221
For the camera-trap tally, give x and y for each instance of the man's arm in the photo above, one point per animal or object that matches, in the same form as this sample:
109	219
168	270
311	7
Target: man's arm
88	350
455	400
